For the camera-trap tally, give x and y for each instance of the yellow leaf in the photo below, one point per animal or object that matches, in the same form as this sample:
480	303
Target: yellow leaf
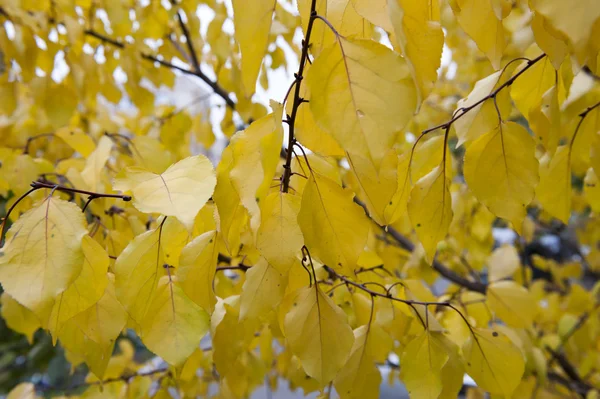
92	333
335	229
85	291
42	255
511	303
479	20
453	371
527	91
19	170
483	117
422	363
360	378
362	93
151	154
181	191
545	38
255	153
317	332
376	190
591	187
376	11
174	324
18	317
231	214
347	21
412	166
252	22
554	190
503	263
306	129
545	121
504	156
575	21
420	36
279	237
493	361
197	267
586	139
94	164
262	291
77	140
430	209
138	270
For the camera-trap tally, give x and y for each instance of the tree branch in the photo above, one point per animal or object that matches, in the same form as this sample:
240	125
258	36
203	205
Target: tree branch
291	121
188	42
439	267
196	72
124	378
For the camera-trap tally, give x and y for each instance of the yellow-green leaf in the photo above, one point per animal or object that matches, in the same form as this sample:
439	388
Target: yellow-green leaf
85	291
138	270
196	270
92	333
18	317
181	191
43	255
174	324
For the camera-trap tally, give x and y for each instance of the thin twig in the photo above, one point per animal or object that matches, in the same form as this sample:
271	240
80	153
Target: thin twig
198	73
463	111
124	378
33	138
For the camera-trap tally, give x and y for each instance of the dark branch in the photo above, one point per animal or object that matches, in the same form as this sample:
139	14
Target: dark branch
198	73
291	121
439	267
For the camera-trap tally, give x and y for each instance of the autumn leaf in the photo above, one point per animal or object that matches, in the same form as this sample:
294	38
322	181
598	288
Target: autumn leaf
334	227
493	361
179	191
362	103
43	254
318	333
505	156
